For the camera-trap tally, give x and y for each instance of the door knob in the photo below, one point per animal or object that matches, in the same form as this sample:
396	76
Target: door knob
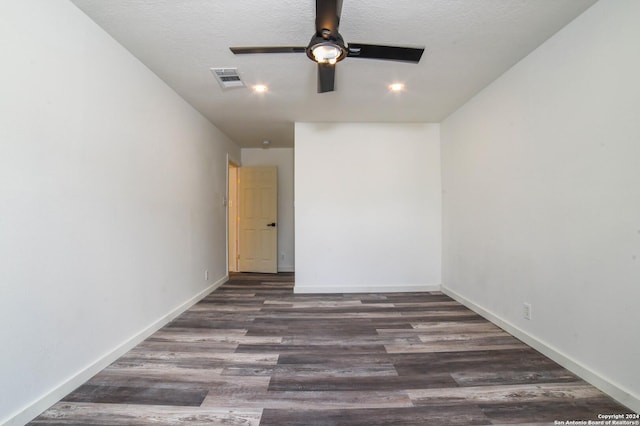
272	224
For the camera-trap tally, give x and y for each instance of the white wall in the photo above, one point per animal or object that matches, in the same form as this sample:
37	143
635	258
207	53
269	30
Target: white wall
367	207
282	158
541	199
111	191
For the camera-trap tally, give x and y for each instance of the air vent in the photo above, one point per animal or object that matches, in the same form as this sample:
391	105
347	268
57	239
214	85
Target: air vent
228	78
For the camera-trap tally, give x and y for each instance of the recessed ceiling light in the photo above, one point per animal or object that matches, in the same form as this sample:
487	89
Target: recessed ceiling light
260	88
396	87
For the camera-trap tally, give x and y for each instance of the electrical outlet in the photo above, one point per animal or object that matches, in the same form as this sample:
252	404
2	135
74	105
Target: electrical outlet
206	275
526	311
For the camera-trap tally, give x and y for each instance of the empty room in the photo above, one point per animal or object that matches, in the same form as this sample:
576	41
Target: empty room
340	212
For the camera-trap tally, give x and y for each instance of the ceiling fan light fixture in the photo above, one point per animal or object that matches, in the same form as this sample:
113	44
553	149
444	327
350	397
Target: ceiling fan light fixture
326	51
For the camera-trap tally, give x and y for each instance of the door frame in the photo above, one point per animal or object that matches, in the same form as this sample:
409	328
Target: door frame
232	216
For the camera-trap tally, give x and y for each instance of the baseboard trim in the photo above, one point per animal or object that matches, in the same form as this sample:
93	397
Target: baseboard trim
286	269
319	288
607	386
31	411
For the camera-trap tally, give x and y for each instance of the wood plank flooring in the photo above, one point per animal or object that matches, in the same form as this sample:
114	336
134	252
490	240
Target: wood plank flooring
253	353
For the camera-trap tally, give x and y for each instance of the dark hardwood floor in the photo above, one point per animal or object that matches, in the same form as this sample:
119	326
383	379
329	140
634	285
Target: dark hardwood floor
253	353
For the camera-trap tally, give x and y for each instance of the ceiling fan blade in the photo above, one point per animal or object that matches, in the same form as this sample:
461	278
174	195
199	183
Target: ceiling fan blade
326	77
328	16
267	49
389	53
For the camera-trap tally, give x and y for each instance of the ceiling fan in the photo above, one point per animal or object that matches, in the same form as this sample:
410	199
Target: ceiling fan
327	47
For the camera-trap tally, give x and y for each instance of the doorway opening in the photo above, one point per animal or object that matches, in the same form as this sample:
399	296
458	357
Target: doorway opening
252	212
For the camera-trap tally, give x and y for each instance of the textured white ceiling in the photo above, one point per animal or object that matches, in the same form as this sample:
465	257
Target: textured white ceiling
469	43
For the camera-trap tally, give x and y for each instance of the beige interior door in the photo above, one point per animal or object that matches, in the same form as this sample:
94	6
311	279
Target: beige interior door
258	212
